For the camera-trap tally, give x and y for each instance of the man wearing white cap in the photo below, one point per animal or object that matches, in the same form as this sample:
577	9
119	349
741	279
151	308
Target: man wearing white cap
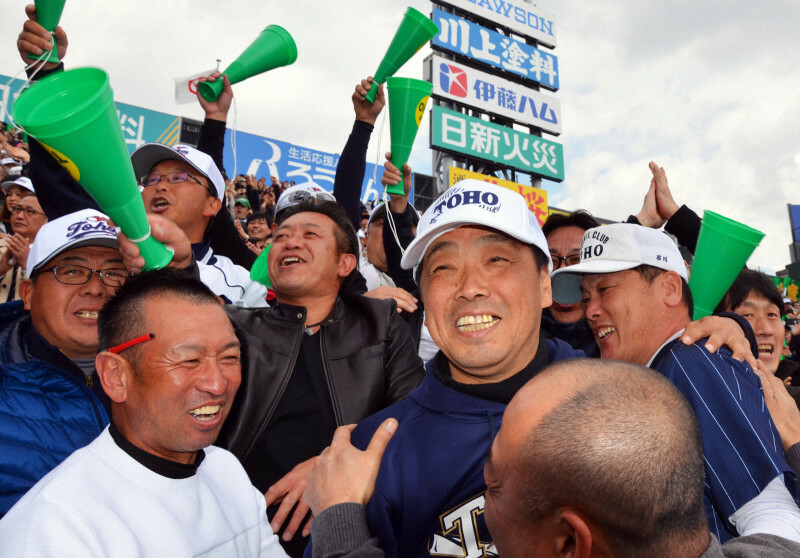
483	265
51	401
26	219
185	186
634	283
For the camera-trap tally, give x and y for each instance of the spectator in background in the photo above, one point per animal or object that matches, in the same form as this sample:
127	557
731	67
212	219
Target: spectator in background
566	321
755	297
258	231
51	401
27	220
15	188
241	209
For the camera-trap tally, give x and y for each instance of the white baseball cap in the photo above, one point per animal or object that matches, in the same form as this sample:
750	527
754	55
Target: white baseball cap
474	202
21	181
150	154
8	161
613	248
300	192
87	227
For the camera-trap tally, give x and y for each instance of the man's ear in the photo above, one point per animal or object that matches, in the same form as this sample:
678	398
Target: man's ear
115	374
547	288
672	286
347	263
213	206
574	539
26	293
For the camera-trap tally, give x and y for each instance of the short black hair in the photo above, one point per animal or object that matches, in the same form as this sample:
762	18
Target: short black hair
346	238
624	448
579	218
122	319
746	282
649	274
255	216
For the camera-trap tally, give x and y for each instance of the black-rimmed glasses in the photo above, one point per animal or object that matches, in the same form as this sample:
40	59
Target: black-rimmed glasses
70	274
29	211
572	259
177	177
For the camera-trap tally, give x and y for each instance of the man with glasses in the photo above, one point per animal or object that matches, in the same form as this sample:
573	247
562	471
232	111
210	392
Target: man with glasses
185	186
51	401
26	219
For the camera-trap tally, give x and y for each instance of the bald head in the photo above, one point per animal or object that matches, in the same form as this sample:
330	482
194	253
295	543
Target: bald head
612	441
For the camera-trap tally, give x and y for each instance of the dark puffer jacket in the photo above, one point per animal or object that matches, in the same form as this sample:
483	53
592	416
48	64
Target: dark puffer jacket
46	412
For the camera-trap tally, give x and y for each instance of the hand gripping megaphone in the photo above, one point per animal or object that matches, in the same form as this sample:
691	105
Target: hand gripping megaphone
273	48
407	100
48	14
72	114
415	30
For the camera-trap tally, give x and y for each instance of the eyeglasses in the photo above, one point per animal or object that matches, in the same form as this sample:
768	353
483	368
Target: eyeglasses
29	211
69	274
178	177
567	261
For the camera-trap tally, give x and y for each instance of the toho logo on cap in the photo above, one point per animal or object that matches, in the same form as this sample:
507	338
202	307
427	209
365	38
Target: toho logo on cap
91	226
592	244
456	197
182	150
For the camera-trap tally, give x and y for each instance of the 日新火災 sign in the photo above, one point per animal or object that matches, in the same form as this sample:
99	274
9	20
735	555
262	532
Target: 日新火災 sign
494	95
469	39
523	18
459	133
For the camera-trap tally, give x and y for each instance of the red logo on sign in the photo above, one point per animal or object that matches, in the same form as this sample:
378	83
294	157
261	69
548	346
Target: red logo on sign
453	80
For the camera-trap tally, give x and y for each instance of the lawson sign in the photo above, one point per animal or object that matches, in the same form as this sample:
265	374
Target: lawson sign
459	36
517	15
494	95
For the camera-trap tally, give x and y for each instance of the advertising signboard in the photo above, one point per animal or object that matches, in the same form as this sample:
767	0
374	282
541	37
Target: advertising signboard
494	95
526	19
465	38
536	197
459	133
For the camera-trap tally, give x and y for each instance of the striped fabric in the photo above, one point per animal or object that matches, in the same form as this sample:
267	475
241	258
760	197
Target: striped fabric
741	447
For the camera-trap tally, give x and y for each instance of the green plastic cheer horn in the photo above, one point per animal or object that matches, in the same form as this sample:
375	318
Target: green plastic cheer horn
415	30
723	248
72	114
273	48
407	100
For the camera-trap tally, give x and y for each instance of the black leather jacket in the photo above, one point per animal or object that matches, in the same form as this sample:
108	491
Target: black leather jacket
368	356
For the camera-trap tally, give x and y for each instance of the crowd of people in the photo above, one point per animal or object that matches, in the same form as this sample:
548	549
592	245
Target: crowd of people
461	382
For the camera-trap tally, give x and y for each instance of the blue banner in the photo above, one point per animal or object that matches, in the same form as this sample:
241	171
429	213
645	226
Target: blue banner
462	37
256	155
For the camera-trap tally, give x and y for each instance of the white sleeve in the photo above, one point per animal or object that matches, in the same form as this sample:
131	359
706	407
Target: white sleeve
773	512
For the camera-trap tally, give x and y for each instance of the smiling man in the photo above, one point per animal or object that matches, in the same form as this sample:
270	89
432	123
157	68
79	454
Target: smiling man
151	484
634	284
482	265
51	401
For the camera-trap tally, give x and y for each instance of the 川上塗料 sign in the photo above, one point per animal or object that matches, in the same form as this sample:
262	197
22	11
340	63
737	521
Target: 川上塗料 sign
458	133
469	39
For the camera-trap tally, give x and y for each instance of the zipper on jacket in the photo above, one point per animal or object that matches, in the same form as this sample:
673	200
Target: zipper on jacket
336	413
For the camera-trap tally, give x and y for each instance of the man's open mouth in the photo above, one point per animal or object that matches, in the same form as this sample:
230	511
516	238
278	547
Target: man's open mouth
206	413
605	331
469	324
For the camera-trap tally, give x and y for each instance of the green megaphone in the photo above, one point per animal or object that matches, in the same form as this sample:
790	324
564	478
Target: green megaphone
72	114
273	48
723	248
48	14
260	270
407	100
415	30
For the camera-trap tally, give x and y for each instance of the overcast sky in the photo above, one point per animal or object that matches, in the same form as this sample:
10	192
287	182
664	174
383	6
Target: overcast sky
710	90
